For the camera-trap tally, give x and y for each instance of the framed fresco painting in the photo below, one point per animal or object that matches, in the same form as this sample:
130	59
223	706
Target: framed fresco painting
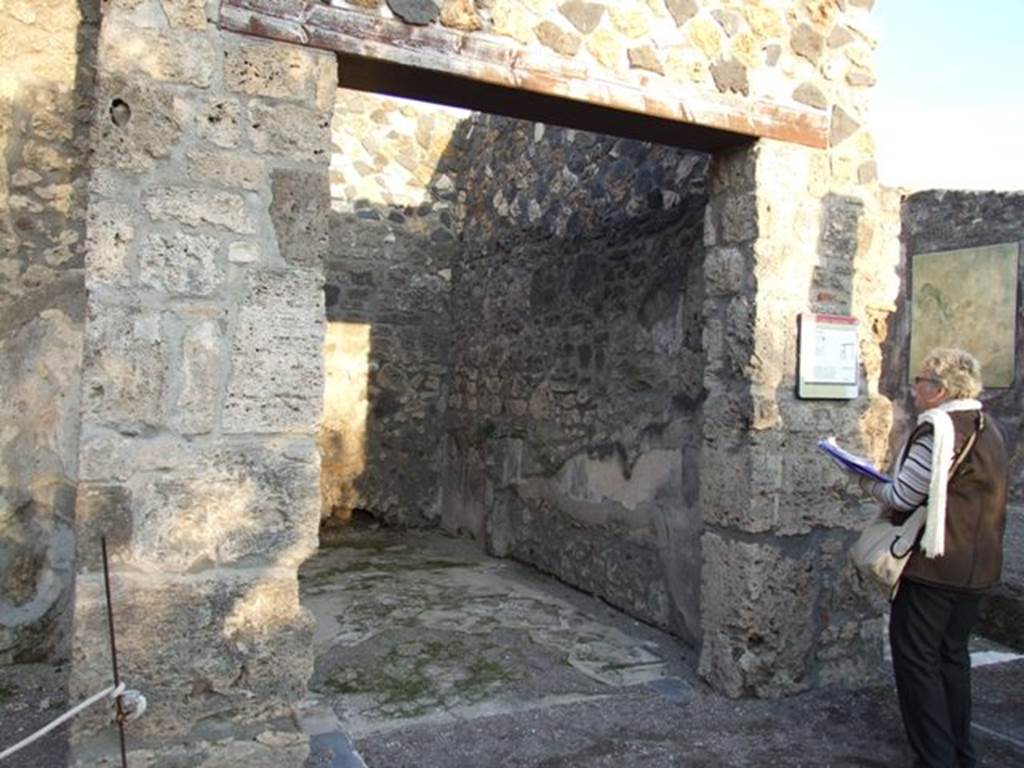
967	298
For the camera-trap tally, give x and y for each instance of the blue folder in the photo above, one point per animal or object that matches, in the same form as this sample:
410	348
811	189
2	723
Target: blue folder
851	461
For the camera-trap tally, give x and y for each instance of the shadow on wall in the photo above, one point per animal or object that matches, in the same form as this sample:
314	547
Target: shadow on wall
578	384
393	237
46	95
514	312
846	235
184	524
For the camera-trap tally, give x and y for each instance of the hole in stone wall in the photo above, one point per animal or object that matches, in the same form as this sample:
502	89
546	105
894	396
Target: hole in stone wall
120	113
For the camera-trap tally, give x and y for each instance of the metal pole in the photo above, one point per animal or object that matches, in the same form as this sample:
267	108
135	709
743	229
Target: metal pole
113	650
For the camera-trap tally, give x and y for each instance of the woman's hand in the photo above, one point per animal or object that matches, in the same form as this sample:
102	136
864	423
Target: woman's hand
867	485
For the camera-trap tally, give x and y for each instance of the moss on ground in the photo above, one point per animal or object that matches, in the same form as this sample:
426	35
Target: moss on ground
419	677
484	674
333	574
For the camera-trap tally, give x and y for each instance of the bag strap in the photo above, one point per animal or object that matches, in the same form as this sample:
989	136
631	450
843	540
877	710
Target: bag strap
967	446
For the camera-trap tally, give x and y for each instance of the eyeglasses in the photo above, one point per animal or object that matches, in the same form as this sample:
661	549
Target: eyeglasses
928	379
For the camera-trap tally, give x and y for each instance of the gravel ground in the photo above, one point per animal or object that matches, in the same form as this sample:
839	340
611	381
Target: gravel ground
31	695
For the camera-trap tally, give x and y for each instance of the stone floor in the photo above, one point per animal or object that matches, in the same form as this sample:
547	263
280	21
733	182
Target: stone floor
430	654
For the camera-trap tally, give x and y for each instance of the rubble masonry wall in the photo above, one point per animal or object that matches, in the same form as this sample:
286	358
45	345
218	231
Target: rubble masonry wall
946	220
807	52
395	226
577	363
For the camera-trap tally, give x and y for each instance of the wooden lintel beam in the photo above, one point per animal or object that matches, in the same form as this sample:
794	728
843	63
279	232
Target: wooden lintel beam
494	61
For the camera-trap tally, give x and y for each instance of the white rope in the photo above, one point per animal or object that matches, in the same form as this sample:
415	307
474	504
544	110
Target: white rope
112	692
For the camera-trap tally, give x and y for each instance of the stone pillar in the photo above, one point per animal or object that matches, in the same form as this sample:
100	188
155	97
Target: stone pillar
45	50
781	610
203	381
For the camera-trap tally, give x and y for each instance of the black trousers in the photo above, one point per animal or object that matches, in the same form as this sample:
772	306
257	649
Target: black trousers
928	632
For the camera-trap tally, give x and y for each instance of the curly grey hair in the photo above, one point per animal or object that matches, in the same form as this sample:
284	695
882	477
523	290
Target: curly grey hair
958	371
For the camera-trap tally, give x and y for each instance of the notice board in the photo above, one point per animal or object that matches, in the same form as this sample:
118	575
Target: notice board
829	361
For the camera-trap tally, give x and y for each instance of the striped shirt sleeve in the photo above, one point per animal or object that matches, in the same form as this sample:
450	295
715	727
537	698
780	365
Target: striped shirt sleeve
909	490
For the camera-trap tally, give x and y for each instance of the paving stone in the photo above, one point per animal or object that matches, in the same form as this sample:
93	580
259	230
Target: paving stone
730	21
220	121
839	37
289	131
843	126
124	367
227	169
746	49
764	21
110	234
606	47
203	368
630	21
511	20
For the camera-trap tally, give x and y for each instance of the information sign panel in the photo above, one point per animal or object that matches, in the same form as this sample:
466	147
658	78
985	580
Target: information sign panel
829	363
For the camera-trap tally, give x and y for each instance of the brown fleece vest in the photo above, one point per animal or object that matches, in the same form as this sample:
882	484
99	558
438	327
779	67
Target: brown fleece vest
975	512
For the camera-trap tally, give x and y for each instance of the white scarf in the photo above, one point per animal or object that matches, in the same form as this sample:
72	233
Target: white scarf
934	541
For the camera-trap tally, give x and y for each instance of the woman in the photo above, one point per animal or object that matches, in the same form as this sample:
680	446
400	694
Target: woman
954	462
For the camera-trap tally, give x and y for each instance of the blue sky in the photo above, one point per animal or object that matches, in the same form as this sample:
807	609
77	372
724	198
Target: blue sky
948	109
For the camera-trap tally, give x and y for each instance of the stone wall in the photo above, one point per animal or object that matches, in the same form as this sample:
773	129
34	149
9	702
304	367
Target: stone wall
782	609
940	220
202	379
46	47
792	230
577	366
807	53
394	228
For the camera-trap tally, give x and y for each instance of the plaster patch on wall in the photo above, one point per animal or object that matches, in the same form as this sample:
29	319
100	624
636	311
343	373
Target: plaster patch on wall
595	486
